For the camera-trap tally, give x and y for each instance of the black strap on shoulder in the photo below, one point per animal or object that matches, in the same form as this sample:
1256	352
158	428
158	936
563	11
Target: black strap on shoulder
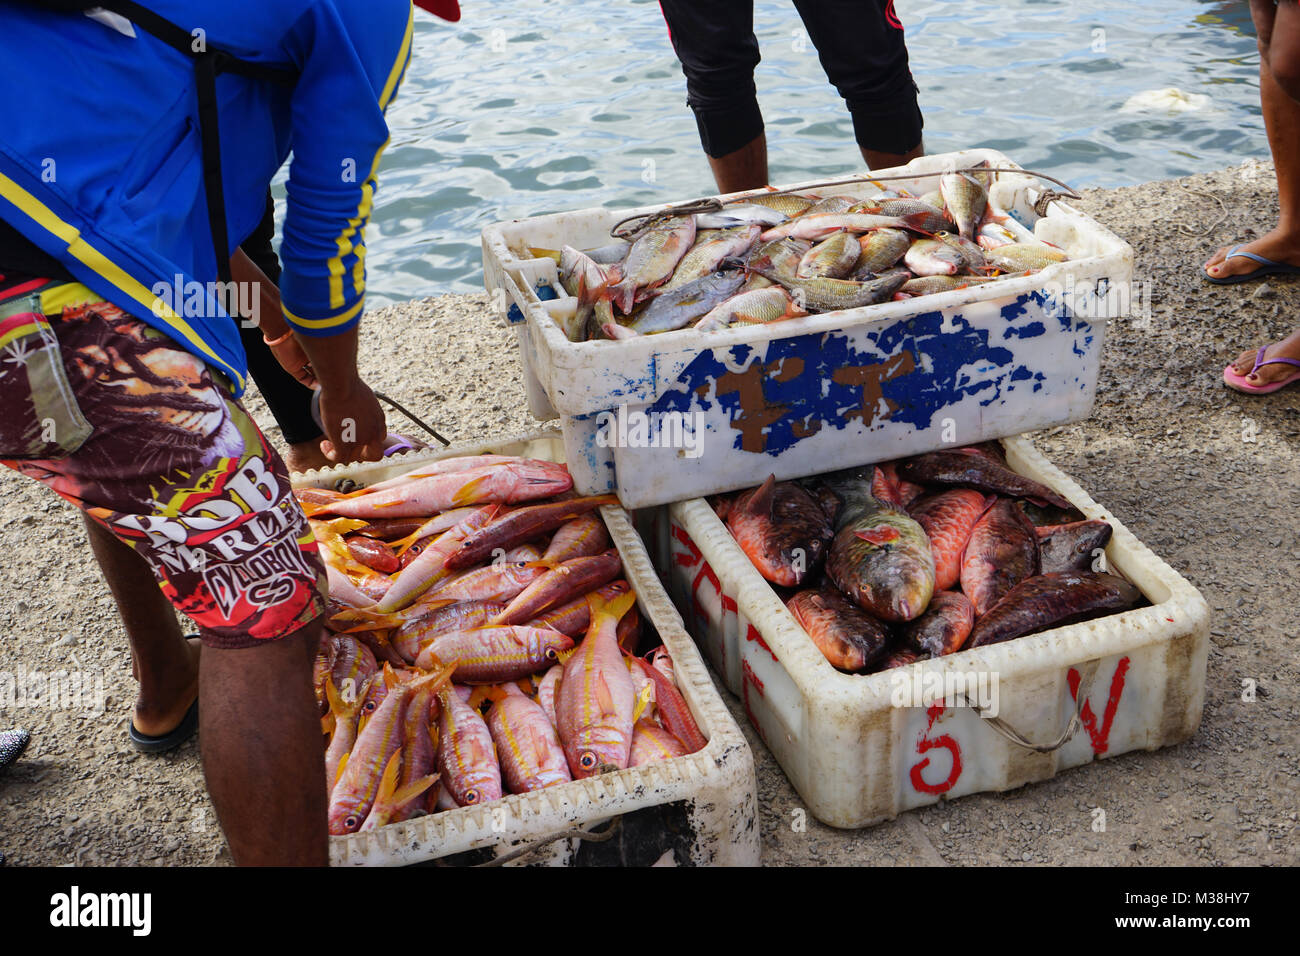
208	63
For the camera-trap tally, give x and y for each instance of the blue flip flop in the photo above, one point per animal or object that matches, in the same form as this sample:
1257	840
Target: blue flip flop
1267	267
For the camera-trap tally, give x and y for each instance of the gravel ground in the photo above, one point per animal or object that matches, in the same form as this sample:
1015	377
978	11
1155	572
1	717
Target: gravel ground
1206	477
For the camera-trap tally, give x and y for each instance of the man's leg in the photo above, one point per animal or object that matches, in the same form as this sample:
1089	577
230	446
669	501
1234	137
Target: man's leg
742	169
165	664
1282	123
861	46
718	52
263	750
189	484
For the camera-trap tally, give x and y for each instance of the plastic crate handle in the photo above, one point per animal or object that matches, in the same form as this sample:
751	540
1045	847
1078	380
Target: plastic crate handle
1071	728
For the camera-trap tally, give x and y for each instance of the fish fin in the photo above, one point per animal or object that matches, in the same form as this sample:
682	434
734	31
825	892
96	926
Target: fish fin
388	782
623	295
438	678
604	698
468	491
914	223
342	526
328	723
642	700
562	657
332	695
763	500
481	693
343	763
390	677
539	253
406	794
878	536
614	608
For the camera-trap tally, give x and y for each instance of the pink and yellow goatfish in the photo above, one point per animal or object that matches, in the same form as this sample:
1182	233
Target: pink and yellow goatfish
595	702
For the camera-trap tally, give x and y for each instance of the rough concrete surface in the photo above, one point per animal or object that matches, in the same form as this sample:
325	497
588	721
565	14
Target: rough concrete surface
1207	478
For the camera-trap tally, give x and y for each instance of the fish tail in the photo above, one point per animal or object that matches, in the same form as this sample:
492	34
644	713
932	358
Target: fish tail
623	295
609	610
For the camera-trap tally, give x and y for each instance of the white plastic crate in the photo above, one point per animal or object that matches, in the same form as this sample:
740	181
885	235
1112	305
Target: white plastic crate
826	391
692	810
857	758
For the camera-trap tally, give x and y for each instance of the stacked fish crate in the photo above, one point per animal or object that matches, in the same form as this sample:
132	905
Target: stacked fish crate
787	368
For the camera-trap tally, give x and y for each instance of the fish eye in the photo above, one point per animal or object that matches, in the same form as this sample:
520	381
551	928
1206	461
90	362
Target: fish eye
351	823
587	761
370	707
471	796
550	654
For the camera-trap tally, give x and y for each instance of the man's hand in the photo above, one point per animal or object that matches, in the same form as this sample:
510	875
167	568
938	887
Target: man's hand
353	421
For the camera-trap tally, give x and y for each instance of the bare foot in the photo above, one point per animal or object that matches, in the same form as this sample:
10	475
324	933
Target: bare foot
1275	245
156	718
1289	347
305	456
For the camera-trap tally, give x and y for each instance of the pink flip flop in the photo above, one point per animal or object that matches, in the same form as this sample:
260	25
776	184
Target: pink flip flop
1238	382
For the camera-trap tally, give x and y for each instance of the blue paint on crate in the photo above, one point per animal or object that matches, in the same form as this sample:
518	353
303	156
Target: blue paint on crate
907	372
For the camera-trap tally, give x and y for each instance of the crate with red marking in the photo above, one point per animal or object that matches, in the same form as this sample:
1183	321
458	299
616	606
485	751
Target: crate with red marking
860	749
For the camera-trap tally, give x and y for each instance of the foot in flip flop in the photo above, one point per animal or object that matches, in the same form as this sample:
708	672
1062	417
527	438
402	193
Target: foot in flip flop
1268	369
158	727
1271	254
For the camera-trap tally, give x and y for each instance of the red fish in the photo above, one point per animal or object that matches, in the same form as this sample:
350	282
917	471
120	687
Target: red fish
494	484
467	759
1002	552
490	655
782	529
673	709
374	554
527	746
849	637
650	742
1053	600
594	705
572	618
948	519
945	625
358	784
520	525
562	583
581	537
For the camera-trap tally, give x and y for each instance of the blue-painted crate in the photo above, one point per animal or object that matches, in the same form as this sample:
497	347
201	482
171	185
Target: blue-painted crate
721	410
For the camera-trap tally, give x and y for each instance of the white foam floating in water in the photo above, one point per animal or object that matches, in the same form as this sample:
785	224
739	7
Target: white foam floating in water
1169	100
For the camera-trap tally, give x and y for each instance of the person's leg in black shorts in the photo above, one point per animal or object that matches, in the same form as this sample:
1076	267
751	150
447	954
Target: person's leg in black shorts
861	46
861	50
715	43
288	399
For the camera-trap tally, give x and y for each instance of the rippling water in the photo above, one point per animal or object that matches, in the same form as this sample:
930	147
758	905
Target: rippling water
536	106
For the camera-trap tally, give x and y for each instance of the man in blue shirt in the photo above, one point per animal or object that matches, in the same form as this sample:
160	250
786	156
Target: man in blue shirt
132	167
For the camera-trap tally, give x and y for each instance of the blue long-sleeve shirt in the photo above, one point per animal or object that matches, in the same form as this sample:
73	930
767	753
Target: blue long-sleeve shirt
100	159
